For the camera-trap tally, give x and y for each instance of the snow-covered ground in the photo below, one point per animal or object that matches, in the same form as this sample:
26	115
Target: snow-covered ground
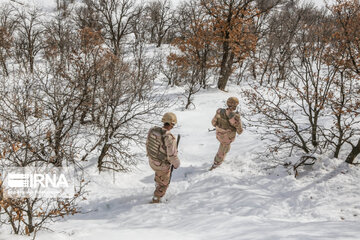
239	200
242	199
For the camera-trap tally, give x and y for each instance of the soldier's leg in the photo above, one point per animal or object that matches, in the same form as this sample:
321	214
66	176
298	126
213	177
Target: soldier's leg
220	156
162	180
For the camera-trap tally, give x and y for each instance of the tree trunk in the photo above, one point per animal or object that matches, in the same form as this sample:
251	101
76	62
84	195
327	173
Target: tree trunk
226	66
5	68
314	140
341	136
353	154
102	156
159	40
31	64
337	151
29	212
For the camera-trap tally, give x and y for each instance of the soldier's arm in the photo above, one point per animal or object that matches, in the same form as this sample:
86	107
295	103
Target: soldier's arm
171	150
236	122
215	118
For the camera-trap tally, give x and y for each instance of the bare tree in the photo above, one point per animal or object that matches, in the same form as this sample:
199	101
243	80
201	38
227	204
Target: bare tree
28	215
28	37
341	97
192	85
189	73
7	28
81	98
63	4
114	17
59	39
26	141
161	18
140	26
291	114
125	101
86	16
272	61
344	52
182	19
171	73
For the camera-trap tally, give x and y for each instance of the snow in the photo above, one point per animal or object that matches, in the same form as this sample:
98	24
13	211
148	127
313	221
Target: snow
46	5
238	200
320	3
245	198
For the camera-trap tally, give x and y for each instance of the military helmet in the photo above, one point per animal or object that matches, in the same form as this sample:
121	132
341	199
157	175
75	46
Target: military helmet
232	102
170	118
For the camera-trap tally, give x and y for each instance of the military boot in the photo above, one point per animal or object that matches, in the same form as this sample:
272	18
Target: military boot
213	167
156	199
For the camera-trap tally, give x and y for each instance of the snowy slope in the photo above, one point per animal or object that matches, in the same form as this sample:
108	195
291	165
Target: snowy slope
239	200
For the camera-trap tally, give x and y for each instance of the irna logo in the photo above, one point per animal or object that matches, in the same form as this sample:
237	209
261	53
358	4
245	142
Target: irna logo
37	180
40	182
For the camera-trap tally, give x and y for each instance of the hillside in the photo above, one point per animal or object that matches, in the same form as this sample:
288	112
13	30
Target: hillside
239	200
82	98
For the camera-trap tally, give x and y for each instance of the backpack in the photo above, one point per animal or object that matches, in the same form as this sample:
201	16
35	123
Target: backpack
223	122
155	141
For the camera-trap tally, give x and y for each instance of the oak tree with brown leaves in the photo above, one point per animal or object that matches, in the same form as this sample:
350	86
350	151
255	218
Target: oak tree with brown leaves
232	23
344	52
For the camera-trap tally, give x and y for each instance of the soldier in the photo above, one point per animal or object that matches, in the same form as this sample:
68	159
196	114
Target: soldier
162	153
227	123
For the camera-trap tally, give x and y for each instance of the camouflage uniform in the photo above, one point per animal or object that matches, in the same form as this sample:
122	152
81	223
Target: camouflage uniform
162	169
227	124
162	159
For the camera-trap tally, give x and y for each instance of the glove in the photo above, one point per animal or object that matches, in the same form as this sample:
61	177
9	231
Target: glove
237	117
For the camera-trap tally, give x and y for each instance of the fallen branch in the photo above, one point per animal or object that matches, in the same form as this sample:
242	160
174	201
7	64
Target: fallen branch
304	161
